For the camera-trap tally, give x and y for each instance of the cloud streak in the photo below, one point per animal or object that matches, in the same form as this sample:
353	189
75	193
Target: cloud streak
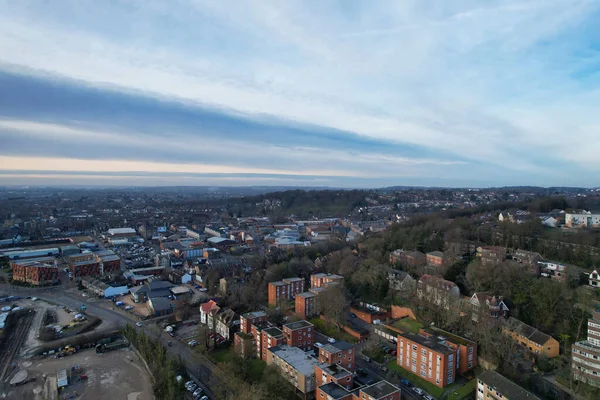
352	89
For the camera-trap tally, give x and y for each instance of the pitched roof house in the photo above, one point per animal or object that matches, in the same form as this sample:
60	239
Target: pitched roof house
530	338
438	291
492	308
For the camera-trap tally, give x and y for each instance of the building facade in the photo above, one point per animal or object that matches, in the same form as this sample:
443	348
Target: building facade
35	273
437	291
322	280
582	220
428	357
339	353
531	339
307	304
284	290
493	386
299	334
585	356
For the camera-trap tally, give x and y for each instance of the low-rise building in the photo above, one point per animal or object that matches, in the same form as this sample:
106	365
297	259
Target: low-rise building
159	306
493	386
584	219
585	357
594	279
491	255
295	366
531	339
207	312
227	322
402	281
35	273
103	289
486	308
299	334
382	390
467	349
438	291
435	259
530	259
284	290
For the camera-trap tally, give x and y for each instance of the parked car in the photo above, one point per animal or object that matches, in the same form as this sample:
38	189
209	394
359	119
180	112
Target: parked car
367	359
193	343
319	344
361	371
405	382
353	315
192	387
139	324
428	397
384	368
197	392
204	398
331	340
418	391
129	307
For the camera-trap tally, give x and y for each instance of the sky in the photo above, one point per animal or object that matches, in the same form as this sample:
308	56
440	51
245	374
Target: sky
300	93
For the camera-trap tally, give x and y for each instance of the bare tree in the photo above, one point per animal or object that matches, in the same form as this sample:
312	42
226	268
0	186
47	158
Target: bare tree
333	305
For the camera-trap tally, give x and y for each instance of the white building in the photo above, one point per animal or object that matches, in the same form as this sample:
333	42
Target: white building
582	220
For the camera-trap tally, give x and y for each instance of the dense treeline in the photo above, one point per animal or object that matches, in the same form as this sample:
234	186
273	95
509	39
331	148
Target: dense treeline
163	368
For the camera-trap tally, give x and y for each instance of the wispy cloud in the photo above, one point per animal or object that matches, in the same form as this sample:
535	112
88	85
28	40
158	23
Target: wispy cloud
442	85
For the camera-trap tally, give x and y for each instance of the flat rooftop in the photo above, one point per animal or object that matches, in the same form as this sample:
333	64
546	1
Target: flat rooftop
254	314
337	346
334	391
306	294
299	360
273	331
381	389
505	386
430	342
297	325
335	370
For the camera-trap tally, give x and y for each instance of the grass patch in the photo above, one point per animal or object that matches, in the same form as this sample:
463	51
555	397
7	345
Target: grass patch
331	331
464	391
415	380
407	325
224	354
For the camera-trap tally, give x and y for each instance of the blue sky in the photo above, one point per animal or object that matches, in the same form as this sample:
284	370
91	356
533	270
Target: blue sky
323	93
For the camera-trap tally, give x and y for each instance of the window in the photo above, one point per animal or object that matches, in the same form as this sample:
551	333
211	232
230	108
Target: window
414	347
309	329
423	351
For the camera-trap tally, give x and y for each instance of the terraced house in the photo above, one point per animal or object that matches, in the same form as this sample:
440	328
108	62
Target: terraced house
531	339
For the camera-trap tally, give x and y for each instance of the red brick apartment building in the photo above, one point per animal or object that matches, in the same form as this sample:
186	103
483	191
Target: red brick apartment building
338	353
299	334
382	390
322	280
35	272
307	304
428	357
251	318
270	337
111	262
467	349
84	265
326	373
284	290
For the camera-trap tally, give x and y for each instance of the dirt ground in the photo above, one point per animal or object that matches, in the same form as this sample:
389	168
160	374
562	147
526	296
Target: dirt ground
114	375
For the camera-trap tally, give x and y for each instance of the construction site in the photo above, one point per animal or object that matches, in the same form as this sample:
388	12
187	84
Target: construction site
53	352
